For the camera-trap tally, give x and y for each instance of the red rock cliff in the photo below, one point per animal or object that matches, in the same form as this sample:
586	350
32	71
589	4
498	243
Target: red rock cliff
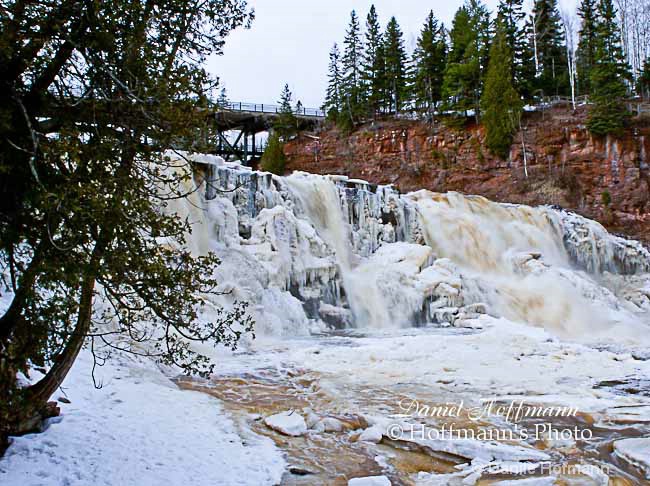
607	180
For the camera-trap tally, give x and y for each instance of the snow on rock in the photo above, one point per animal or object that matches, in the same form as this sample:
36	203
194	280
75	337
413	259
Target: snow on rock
372	434
288	423
636	452
475	449
139	429
545	481
370	481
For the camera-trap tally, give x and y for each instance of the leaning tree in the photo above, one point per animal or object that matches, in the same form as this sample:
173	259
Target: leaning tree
91	94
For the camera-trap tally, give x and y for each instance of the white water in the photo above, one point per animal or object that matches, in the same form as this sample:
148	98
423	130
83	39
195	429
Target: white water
309	249
319	198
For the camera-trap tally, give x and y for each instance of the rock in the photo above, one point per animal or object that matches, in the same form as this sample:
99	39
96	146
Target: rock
298	471
288	423
331	424
63	400
635	452
372	434
370	481
546	481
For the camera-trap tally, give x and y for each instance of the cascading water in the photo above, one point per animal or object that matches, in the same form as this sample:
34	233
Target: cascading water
313	250
320	202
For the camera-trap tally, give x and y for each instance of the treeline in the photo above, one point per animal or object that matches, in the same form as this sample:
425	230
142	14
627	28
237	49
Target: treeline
490	66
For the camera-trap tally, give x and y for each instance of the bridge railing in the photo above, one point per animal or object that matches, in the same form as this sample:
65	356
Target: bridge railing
266	108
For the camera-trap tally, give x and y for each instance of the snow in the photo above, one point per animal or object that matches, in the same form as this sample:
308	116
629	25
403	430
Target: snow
139	429
287	423
372	434
514	303
636	452
370	481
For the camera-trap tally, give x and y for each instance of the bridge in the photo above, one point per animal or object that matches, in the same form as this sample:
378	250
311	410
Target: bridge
249	119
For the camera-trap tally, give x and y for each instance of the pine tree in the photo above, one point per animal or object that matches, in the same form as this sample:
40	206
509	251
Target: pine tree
467	59
273	159
352	87
396	67
643	82
608	74
373	63
286	123
512	15
332	106
586	53
429	59
550	52
223	99
500	101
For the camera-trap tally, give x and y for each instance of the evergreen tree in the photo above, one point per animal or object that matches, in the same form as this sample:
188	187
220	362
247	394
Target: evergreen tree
84	188
586	53
332	106
273	158
467	59
511	13
286	123
500	101
550	52
429	59
223	98
299	108
643	83
396	67
373	62
352	87
608	74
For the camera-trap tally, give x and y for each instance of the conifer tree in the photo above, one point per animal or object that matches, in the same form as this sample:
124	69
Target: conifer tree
467	59
273	158
608	74
500	101
550	52
512	15
223	98
352	87
586	53
332	106
286	123
92	93
643	83
429	59
373	63
396	67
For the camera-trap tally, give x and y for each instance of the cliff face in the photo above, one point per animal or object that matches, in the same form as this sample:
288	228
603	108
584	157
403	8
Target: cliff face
607	180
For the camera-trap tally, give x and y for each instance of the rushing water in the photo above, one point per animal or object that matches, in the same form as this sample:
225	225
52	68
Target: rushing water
400	286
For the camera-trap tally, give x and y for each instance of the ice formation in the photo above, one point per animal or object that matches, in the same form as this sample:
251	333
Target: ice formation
312	251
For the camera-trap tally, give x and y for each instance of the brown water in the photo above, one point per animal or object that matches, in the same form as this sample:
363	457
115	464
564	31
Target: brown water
331	458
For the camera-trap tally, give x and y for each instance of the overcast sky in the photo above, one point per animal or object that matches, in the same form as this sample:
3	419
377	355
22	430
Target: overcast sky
290	40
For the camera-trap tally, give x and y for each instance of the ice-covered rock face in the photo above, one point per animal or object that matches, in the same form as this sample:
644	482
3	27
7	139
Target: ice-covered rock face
312	251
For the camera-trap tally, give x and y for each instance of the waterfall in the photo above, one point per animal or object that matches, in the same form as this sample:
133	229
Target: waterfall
320	202
312	252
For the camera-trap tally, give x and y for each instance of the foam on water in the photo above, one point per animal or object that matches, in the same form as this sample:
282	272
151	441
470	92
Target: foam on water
328	250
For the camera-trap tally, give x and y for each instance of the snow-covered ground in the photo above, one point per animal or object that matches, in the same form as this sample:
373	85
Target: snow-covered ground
513	303
138	429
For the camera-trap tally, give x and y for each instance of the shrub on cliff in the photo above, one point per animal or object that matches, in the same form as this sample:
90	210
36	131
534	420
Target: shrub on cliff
273	159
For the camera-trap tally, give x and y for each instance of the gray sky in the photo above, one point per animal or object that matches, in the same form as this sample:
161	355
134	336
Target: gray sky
290	40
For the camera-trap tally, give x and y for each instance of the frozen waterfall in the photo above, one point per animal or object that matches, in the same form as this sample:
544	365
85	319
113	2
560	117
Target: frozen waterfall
312	252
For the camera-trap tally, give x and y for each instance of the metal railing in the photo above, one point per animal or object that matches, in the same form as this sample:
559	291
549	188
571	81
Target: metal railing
266	108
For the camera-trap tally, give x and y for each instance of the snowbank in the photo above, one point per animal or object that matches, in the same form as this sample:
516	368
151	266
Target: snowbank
139	429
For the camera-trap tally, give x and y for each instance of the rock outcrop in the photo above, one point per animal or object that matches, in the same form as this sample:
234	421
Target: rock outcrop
606	180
